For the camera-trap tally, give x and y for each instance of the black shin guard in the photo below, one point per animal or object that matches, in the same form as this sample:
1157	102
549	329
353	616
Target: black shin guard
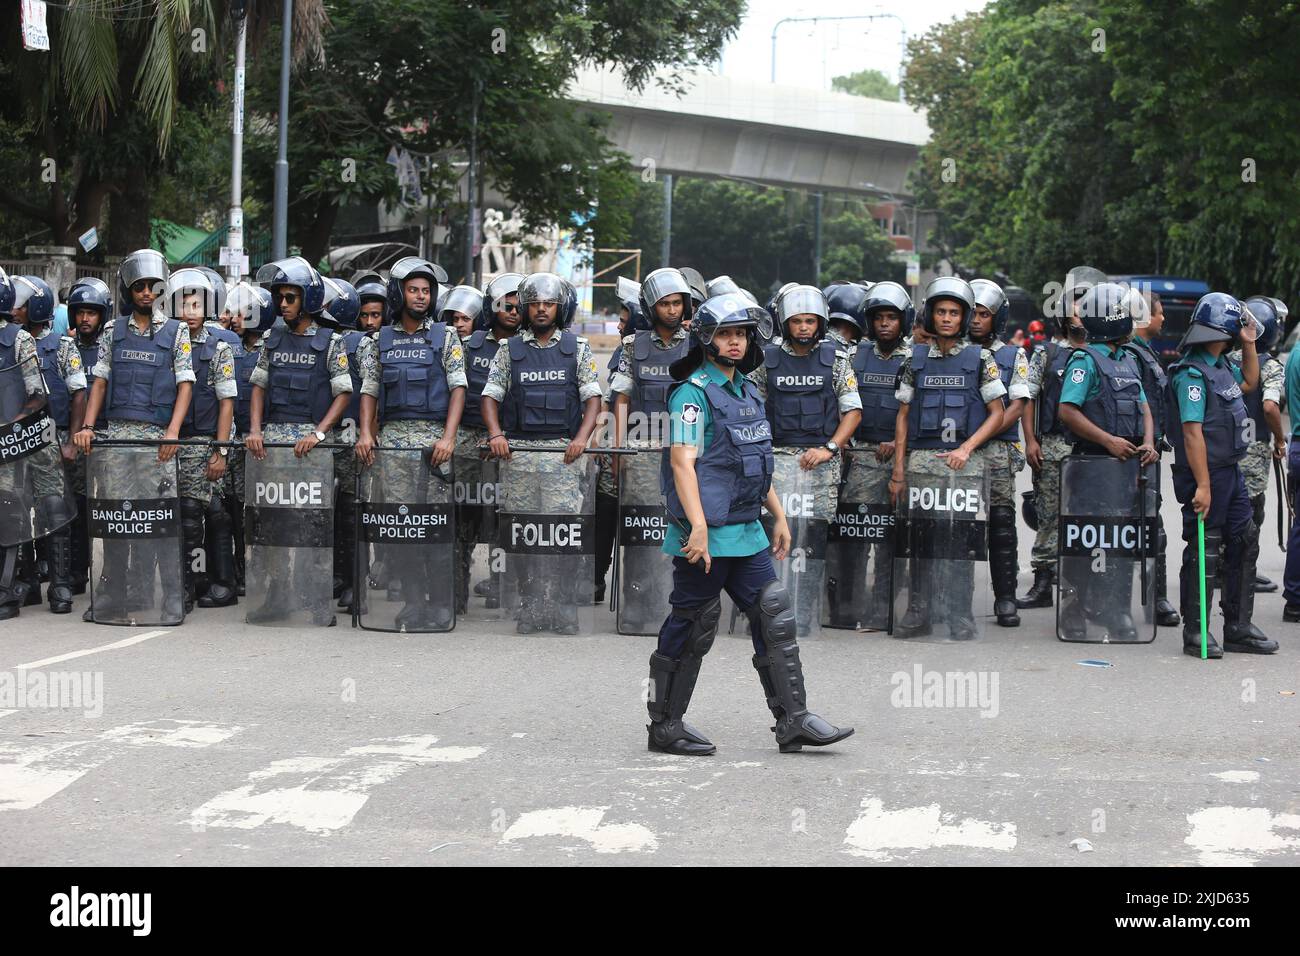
673	681
781	674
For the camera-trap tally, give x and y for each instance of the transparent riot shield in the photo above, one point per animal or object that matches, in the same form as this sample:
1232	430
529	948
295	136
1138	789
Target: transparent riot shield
860	547
546	538
1109	531
35	496
476	488
806	497
290	537
645	572
406	521
133	518
942	589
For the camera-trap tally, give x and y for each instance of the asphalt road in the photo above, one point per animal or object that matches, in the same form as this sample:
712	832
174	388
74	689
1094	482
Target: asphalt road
220	743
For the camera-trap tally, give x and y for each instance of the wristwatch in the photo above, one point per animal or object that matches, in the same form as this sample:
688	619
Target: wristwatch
320	436
223	451
831	447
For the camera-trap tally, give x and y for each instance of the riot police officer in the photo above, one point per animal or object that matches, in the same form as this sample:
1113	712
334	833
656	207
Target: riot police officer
639	395
844	304
299	353
886	313
1264	405
1208	426
144	379
1003	457
25	493
251	314
1154	384
341	312
950	405
1046	443
811	398
90	302
65	384
1104	410
546	376
191	297
413	382
716	477
498	319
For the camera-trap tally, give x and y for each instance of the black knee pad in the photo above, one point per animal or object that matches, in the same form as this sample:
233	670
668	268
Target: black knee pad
704	625
773	614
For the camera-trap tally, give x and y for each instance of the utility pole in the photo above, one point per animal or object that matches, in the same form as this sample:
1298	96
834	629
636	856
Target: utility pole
817	239
471	220
235	235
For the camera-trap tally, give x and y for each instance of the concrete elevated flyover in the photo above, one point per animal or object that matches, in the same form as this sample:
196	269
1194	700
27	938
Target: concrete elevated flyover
763	132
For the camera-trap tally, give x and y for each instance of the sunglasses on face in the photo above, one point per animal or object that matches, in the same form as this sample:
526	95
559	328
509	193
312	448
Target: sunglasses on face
141	285
509	307
290	297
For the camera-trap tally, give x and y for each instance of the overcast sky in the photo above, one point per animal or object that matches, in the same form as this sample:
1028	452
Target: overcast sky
810	54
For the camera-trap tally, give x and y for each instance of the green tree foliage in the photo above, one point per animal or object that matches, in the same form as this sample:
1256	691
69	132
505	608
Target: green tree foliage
1114	133
869	83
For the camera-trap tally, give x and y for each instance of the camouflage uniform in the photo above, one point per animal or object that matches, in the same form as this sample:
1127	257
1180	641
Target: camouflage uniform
825	478
182	368
340	384
1257	466
192	460
1004	458
926	461
48	479
643	478
410	433
562	487
45	461
841	342
1047	483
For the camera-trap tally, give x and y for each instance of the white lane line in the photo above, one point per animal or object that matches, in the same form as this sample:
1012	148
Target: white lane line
6	713
72	655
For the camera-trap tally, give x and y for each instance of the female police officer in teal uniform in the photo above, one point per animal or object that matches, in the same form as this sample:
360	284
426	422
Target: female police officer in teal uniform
716	476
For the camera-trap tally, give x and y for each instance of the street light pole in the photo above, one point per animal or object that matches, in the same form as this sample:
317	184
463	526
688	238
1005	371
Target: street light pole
668	220
280	216
235	235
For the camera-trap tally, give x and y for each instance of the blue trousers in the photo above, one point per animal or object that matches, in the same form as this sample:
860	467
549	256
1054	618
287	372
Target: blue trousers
1229	504
742	578
1291	577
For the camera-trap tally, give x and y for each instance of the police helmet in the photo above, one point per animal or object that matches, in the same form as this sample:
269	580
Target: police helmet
699	288
464	299
294	271
1106	311
1264	309
370	287
187	282
990	295
719	312
888	295
720	285
494	297
90	293
665	282
6	294
952	288
548	287
35	293
846	302
218	285
412	267
253	304
1216	318
342	303
802	300
143	264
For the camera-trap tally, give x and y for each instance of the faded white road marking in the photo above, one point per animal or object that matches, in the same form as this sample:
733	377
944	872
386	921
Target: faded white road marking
877	831
6	713
323	794
1240	836
30	775
583	823
72	655
1237	776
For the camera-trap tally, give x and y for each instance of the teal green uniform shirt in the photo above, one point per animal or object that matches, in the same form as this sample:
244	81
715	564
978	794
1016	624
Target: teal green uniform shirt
1189	385
1293	392
692	424
1082	380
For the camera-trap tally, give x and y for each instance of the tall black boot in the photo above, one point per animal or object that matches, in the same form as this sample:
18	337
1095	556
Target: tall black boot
221	557
1040	592
1166	615
59	593
1240	634
1003	546
1190	593
606	540
916	620
235	508
12	588
30	574
345	545
1258	506
673	681
781	674
80	548
192	538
